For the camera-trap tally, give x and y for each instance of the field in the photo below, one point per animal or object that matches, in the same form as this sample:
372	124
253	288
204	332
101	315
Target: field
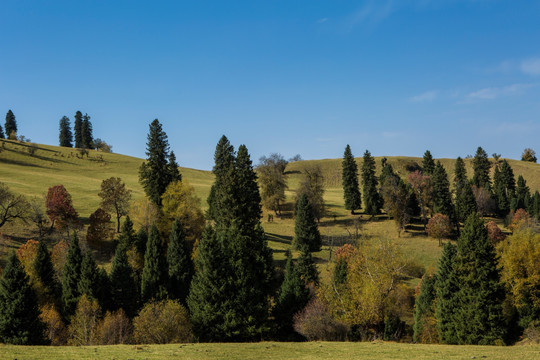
273	350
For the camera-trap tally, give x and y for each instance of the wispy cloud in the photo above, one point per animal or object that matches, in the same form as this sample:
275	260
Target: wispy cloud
372	12
424	97
531	66
491	93
323	20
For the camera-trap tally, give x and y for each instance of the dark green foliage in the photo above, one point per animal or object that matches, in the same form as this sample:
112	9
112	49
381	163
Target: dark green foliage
154	276
77	128
159	169
173	170
103	290
428	164
180	264
305	265
508	179
523	195
140	241
124	291
534	206
393	328
460	174
44	268
446	289
88	283
372	199
481	168
293	297
442	200
11	124
71	277
222	194
478	318
2	136
312	185
66	137
127	237
499	193
340	271
87	139
19	313
465	203
248	200
351	188
306	231
424	307
387	171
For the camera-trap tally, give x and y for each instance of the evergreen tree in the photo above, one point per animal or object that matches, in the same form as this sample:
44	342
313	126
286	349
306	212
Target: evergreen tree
248	200
424	309
442	200
478	317
508	179
372	199
523	195
173	169
534	206
89	281
19	313
481	168
140	241
124	291
87	139
11	124
466	203
293	297
351	188
127	236
103	290
71	277
66	137
446	288
154	174
306	231
44	268
77	128
460	182
2	136
154	276
305	265
428	164
500	193
180	265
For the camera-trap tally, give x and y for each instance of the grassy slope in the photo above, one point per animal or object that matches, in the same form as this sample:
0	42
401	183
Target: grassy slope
272	350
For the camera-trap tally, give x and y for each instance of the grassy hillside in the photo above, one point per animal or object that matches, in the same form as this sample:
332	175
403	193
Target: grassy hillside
272	350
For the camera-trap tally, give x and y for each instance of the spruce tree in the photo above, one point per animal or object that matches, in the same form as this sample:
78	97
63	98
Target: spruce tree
424	308
87	139
124	291
466	203
11	124
428	164
154	276
77	128
446	286
534	206
44	268
103	290
442	200
140	241
481	168
305	265
460	181
173	169
2	136
71	277
372	199
248	199
127	236
19	313
89	281
306	231
507	177
500	193
522	196
221	201
154	173
180	265
66	137
351	188
478	318
293	297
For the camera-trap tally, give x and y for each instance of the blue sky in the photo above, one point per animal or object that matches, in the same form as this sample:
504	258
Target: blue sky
295	77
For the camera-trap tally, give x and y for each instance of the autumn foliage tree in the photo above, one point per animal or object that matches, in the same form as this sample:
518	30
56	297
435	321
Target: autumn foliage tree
60	207
439	227
99	229
423	188
115	198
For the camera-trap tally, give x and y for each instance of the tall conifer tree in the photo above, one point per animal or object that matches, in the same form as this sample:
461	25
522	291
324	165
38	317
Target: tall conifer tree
77	128
372	199
481	168
11	124
522	196
2	136
305	265
65	137
478	317
87	139
424	309
442	200
351	188
71	277
306	231
89	281
466	203
221	200
124	291
180	265
446	288
428	164
19	313
154	276
44	269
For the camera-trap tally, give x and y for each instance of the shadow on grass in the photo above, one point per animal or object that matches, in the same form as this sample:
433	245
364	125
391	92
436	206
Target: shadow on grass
283	239
20	163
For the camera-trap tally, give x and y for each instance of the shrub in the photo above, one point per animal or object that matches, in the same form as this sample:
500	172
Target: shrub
162	322
55	330
316	323
82	330
115	329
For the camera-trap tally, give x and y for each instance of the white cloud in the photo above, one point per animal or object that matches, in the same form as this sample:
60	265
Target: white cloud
372	12
424	97
531	66
497	92
323	20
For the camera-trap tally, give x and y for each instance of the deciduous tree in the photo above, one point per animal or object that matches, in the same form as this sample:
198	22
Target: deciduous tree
162	322
423	189
115	198
272	181
439	227
12	206
527	155
99	229
60	208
